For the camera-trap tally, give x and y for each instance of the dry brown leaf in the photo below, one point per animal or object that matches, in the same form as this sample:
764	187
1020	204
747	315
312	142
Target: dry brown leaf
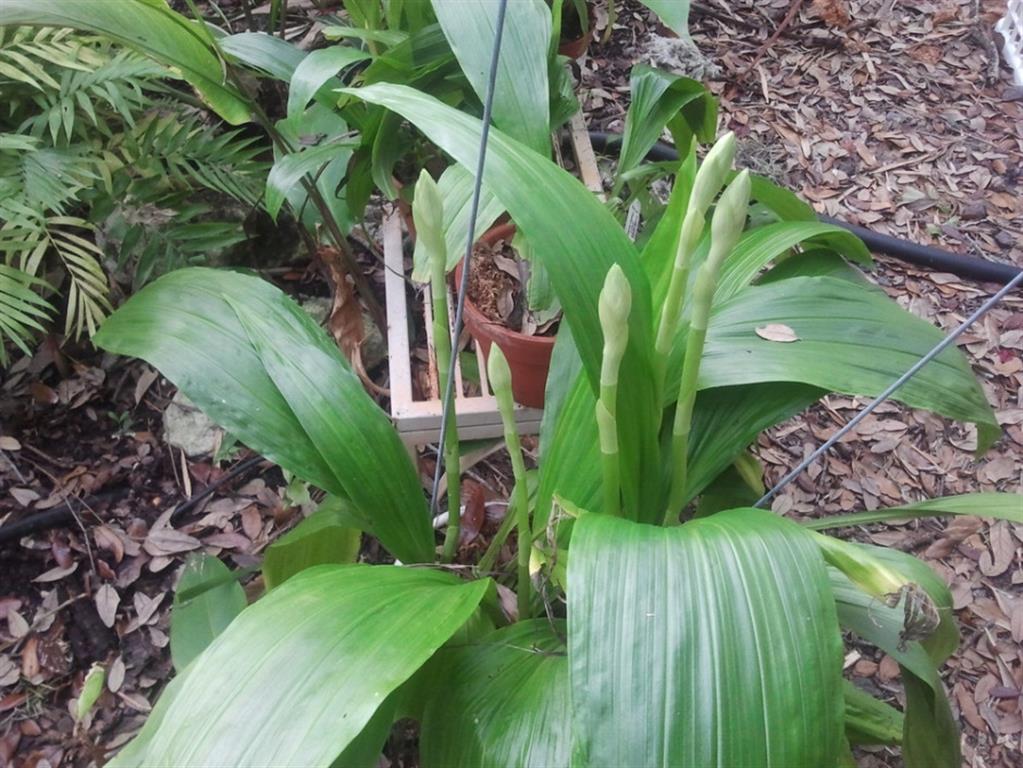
834	12
107	601
146	379
1002	551
17	627
252	522
9	672
30	667
115	675
165	541
56	574
227	541
345	319
145	606
777	332
24	496
105	538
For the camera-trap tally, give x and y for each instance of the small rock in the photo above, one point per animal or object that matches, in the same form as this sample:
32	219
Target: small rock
1006	239
317	307
374	345
188	428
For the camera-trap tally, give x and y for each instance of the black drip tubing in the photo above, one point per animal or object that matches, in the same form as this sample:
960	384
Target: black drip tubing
924	256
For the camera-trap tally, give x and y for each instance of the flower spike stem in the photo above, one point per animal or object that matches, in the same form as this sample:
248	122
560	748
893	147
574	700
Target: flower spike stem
726	228
428	214
709	180
614	305
500	382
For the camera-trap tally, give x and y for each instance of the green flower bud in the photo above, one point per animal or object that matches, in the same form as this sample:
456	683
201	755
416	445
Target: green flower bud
712	174
428	215
500	377
729	219
614	305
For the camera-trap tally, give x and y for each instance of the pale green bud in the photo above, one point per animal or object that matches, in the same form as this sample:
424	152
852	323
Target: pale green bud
712	174
613	307
692	229
428	215
729	219
500	376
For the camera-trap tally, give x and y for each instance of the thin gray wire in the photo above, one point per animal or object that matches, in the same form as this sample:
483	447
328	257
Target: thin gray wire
895	385
449	389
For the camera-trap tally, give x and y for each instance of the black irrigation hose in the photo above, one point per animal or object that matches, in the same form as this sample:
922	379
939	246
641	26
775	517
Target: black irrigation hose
925	256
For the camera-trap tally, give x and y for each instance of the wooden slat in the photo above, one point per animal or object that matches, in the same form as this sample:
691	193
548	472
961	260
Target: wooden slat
399	360
583	150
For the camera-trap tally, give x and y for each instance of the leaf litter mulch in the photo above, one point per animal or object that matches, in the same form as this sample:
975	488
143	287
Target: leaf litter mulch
895	117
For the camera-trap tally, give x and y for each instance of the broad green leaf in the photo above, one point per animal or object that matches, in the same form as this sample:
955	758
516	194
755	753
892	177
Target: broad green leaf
324	537
763	245
726	420
1001	506
673	13
387	37
710	644
503	701
521	93
184	325
150	27
782	202
852	339
455	186
352	433
195	623
263	53
299	674
662	99
318	125
869	721
289	170
578	249
930	736
316	70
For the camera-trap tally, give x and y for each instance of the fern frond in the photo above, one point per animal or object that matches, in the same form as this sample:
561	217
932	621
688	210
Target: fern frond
189	153
22	309
88	294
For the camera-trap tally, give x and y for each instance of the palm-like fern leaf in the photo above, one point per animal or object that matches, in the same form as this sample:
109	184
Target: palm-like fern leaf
180	148
21	309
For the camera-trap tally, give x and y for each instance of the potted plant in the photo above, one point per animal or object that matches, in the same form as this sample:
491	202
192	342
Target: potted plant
505	305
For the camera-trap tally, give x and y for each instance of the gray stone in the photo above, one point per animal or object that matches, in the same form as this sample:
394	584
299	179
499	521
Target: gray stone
189	429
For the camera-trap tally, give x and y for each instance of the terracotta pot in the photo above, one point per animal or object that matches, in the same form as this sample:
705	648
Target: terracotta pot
574	49
529	357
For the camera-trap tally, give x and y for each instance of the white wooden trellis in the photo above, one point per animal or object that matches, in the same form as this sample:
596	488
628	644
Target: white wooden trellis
476	416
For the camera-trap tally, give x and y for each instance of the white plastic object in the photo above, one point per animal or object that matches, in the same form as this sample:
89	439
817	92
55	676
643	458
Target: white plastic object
1010	27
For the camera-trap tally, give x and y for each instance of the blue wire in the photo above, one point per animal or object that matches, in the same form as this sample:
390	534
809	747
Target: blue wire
449	389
